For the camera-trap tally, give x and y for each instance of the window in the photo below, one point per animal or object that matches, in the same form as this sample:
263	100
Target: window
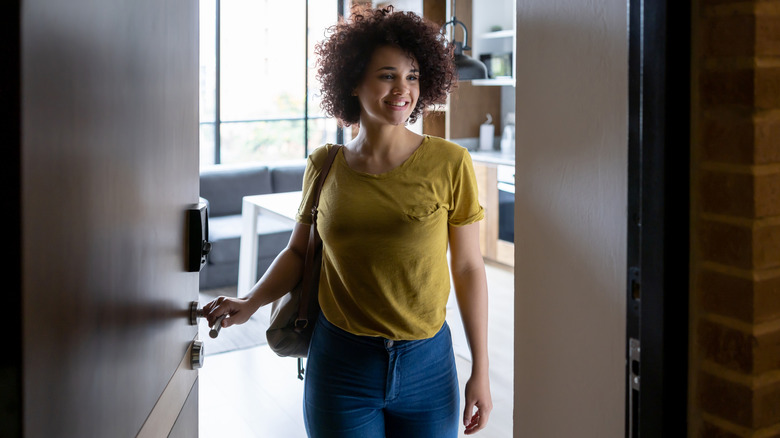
258	92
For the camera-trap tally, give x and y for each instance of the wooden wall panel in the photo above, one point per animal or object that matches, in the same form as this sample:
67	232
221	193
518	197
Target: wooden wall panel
468	107
434	123
435	10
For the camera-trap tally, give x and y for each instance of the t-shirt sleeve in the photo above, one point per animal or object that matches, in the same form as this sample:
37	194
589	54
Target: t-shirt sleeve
310	175
465	197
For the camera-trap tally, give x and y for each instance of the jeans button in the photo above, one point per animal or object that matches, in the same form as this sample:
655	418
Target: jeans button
389	343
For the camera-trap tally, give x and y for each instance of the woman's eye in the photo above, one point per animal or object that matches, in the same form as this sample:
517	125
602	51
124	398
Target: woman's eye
412	78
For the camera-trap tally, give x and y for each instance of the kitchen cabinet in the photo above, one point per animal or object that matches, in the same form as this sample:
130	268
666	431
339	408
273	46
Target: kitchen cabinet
487	168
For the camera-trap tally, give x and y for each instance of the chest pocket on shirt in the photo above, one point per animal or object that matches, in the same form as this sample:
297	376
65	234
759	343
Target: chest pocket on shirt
424	213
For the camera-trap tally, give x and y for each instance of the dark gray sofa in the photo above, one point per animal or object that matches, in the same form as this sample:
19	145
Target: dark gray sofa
223	188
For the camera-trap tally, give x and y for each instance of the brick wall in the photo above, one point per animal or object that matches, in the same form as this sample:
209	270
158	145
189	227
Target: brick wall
735	299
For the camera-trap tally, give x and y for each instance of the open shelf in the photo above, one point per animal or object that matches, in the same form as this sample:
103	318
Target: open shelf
497	82
509	33
498	44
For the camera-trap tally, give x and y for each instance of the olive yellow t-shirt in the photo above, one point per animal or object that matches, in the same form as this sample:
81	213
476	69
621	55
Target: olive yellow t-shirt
384	257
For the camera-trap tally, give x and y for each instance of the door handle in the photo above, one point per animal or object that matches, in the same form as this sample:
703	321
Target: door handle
196	312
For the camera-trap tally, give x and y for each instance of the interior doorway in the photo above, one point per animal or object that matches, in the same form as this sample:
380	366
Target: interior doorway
249	391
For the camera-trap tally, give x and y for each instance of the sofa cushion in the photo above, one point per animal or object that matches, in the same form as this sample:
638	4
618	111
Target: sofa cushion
225	237
226	185
287	178
226	274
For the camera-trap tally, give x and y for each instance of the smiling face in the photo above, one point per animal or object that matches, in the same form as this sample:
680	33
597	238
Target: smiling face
390	87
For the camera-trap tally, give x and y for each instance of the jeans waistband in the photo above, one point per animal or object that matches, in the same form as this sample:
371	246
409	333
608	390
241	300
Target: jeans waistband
377	341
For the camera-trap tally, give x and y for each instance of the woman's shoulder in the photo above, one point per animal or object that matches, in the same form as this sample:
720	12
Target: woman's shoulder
446	149
317	156
445	146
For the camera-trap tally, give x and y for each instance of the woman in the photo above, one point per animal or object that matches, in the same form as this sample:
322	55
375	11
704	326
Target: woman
381	361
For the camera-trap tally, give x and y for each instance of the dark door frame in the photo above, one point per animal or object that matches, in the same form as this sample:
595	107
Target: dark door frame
658	218
10	181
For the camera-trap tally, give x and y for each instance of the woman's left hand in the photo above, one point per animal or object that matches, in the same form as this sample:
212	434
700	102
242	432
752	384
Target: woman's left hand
470	281
477	396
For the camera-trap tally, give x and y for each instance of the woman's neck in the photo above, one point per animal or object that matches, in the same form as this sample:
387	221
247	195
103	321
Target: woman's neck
378	150
383	138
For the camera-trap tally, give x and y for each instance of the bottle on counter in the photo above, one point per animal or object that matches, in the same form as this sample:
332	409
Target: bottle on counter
508	138
487	132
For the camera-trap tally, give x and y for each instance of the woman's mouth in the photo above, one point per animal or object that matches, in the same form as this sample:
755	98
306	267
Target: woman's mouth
397	105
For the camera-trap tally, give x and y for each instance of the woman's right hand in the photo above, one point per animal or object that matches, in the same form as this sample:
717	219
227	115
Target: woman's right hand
283	274
237	311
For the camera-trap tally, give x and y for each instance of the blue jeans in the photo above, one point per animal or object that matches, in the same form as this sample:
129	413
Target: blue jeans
368	387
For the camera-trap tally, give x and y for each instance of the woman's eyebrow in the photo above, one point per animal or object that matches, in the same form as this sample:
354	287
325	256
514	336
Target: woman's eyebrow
414	70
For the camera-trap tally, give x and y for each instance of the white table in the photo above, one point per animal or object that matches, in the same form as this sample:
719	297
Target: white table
284	205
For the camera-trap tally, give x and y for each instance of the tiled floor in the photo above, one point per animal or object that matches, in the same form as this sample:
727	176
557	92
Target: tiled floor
254	393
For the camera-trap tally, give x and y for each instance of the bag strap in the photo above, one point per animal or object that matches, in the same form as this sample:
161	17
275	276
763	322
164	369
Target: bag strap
314	240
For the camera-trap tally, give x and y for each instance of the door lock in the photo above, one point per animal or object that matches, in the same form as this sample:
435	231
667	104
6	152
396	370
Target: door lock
198	245
198	354
634	357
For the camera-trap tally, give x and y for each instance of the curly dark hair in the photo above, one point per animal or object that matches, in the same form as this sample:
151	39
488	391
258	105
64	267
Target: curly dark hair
344	55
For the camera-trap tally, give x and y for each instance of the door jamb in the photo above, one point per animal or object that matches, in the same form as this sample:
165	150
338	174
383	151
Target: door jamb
658	218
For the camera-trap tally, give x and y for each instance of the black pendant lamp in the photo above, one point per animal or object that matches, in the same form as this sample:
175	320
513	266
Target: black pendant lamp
468	68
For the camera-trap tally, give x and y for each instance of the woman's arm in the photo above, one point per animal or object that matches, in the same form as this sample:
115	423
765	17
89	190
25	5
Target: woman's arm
468	274
283	274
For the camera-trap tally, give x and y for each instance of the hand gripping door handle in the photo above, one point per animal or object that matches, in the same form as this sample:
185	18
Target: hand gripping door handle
196	313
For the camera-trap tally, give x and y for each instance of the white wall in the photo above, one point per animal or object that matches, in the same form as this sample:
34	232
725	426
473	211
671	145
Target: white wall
571	108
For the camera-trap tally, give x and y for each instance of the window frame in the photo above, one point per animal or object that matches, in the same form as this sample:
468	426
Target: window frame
217	121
